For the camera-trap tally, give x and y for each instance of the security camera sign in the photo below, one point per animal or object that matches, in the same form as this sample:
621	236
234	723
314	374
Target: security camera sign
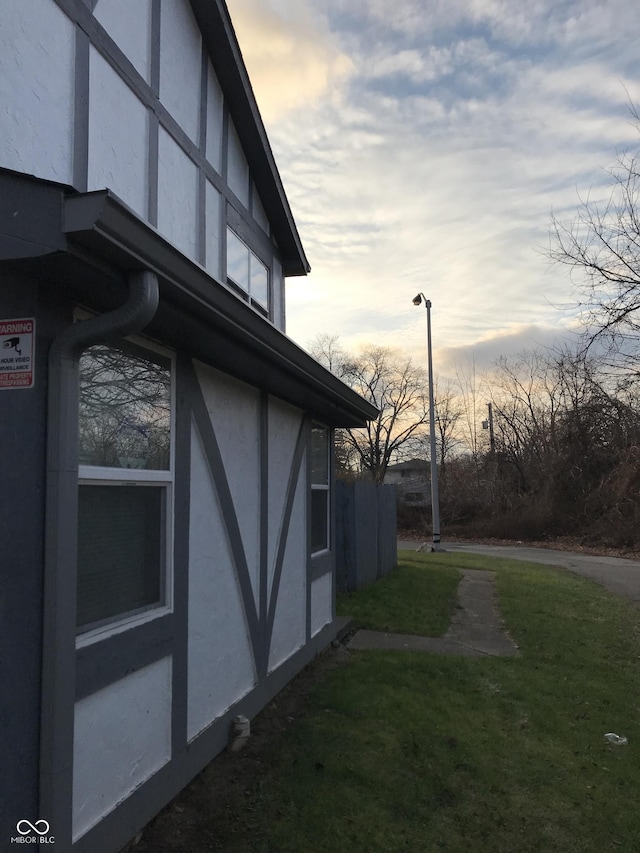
17	349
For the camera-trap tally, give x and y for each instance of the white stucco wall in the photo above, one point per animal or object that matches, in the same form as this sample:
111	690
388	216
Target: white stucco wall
237	166
290	619
279	313
131	32
284	426
215	103
37	55
289	629
213	217
118	149
220	662
177	195
122	735
258	211
37	102
321	602
234	408
180	64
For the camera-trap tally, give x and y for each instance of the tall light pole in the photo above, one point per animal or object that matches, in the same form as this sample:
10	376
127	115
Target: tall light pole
435	500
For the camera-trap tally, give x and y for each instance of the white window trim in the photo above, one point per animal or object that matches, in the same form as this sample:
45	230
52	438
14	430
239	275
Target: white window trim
97	475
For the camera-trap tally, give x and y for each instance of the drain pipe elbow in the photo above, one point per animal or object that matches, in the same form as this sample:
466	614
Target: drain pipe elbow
136	313
64	355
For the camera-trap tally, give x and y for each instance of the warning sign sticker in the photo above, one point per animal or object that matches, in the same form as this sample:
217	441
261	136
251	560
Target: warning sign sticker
17	350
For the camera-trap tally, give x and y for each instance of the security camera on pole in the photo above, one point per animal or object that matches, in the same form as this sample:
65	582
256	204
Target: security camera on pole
435	501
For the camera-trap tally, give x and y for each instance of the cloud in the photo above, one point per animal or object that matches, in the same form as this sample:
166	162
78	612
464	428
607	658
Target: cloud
290	53
416	65
508	342
434	164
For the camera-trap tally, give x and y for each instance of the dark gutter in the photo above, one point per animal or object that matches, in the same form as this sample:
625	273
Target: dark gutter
84	246
30	216
226	330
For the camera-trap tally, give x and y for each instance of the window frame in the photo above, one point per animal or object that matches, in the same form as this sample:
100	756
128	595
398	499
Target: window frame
238	287
89	475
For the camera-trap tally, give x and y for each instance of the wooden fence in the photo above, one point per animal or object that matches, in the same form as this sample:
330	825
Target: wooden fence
366	536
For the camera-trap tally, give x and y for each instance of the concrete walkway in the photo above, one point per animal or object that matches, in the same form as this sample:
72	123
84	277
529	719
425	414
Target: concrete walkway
617	574
476	629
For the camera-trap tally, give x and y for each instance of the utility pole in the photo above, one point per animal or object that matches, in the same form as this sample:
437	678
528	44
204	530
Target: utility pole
435	500
492	440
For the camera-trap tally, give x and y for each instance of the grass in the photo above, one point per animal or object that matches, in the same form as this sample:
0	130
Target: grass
411	600
406	751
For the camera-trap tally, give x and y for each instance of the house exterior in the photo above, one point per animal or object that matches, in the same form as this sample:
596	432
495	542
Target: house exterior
167	503
412	481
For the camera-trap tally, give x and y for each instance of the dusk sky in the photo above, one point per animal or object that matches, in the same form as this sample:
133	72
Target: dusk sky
423	146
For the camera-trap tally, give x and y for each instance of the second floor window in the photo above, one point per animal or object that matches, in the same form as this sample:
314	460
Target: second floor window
247	272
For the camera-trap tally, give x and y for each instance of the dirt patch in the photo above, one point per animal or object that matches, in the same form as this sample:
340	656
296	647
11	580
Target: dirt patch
209	814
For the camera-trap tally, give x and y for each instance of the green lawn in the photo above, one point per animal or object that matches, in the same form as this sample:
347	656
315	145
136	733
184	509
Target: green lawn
406	751
413	599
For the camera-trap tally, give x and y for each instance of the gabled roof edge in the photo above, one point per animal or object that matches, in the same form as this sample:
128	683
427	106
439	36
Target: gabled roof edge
224	51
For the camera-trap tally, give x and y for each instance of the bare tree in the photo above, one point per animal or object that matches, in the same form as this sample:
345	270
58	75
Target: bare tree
449	411
601	246
328	350
526	395
470	388
124	407
394	385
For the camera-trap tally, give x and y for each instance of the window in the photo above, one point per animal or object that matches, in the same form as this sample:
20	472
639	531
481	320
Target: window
125	483
319	489
247	272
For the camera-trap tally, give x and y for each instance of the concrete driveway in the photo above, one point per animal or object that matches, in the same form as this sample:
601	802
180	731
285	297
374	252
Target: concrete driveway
617	574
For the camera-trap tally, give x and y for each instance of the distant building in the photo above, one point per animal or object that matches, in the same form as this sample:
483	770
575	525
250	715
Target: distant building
412	482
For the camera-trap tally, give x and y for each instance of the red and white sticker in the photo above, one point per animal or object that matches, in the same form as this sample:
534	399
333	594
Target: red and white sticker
17	350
